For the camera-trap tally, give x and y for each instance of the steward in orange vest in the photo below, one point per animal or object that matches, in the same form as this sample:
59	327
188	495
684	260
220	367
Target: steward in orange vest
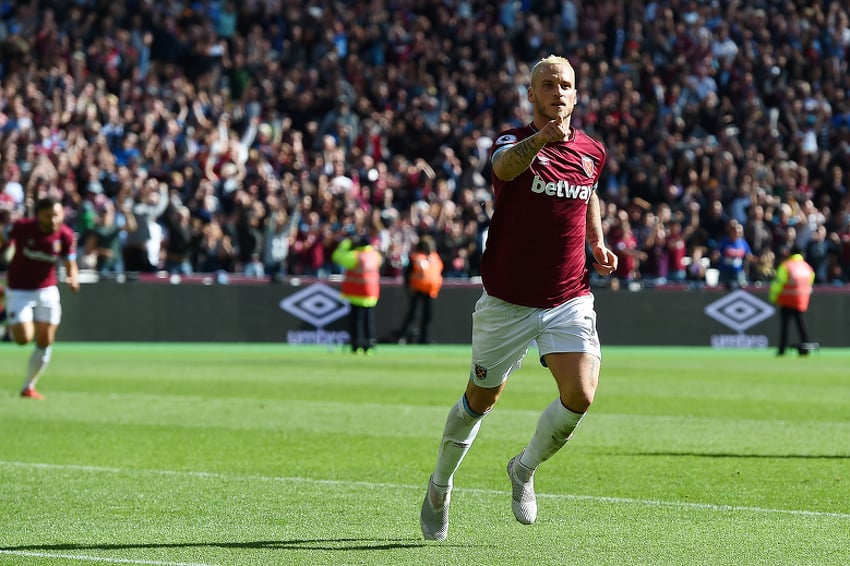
426	273
361	286
424	278
791	290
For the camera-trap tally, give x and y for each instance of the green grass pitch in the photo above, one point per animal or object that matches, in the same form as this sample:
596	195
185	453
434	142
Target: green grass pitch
232	454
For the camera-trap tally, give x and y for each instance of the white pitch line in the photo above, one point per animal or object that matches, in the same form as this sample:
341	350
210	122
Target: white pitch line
379	485
101	559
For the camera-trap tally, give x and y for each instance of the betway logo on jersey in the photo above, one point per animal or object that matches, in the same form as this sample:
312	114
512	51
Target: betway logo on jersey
561	189
39	255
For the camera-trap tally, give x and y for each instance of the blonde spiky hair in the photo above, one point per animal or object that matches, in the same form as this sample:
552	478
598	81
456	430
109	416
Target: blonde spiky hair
547	61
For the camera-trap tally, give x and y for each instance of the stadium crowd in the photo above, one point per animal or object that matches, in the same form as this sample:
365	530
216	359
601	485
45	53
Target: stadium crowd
251	137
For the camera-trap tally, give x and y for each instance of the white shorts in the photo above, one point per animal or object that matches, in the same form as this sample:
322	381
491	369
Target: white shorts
40	305
502	333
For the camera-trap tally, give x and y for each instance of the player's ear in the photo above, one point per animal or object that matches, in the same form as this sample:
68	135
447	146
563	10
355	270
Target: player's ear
530	94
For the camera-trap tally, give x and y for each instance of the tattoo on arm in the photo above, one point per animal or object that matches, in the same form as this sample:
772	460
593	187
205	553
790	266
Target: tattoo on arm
523	153
517	158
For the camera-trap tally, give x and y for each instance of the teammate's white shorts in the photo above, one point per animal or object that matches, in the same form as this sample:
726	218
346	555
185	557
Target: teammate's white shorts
41	305
502	333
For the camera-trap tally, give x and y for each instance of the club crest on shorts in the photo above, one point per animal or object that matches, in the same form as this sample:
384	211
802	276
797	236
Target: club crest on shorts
480	372
588	165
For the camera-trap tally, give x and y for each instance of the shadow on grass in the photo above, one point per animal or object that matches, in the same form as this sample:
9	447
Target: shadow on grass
735	455
346	544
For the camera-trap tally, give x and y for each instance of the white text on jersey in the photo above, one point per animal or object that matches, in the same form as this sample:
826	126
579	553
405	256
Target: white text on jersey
39	256
561	189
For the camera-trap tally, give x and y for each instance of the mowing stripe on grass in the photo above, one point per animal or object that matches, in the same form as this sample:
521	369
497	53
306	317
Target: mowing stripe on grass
86	558
372	485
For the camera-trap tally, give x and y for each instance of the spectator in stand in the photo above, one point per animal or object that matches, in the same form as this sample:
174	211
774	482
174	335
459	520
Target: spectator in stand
454	245
715	224
757	232
141	251
763	268
818	252
106	235
395	260
342	123
677	249
180	236
733	256
216	252
12	189
249	235
624	243
784	230
655	267
842	269
308	248
280	233
782	245
695	274
329	239
644	221
458	266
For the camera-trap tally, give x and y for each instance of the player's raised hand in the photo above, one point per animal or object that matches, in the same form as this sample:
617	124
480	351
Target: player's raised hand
554	131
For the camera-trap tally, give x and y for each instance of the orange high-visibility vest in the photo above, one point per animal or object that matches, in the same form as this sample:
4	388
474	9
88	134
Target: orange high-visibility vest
426	274
362	284
797	290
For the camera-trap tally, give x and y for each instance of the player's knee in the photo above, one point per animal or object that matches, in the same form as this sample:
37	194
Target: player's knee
481	399
578	401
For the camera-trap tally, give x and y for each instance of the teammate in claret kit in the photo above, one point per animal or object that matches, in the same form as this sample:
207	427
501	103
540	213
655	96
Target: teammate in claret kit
33	307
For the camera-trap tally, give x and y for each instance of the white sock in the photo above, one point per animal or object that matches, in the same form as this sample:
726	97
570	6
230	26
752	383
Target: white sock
554	429
460	431
38	361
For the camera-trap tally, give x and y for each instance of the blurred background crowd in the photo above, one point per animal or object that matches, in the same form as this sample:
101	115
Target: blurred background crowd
249	138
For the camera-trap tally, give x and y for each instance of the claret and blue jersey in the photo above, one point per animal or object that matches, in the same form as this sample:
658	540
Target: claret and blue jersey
533	248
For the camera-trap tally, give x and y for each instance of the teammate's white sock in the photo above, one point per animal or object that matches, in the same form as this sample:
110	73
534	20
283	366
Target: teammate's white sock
460	431
38	361
554	429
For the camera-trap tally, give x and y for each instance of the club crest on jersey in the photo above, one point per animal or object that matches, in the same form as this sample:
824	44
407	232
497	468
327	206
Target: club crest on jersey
480	372
57	246
588	165
543	160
